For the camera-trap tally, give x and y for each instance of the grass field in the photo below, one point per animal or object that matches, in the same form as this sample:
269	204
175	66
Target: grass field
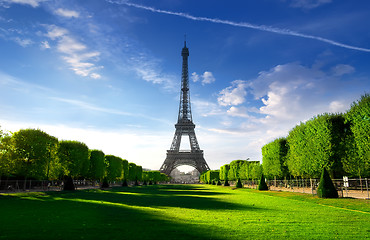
181	212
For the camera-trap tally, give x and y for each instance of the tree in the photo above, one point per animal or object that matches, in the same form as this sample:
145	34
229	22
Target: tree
318	143
224	172
74	156
32	152
237	169
255	169
114	168
125	169
97	165
164	178
7	162
125	172
132	172
274	157
326	187
139	173
358	160
212	175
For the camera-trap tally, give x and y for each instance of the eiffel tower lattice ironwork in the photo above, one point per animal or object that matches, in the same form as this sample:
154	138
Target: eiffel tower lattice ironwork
185	126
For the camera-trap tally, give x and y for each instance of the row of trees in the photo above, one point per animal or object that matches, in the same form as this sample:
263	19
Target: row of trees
32	153
238	169
338	142
154	177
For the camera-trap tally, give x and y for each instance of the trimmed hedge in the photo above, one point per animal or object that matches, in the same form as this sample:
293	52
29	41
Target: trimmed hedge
239	184
274	158
326	187
262	186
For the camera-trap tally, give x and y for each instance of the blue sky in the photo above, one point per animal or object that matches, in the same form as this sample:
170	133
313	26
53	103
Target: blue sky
108	73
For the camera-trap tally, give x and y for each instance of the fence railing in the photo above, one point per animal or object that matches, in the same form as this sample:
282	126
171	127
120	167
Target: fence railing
44	185
355	188
41	185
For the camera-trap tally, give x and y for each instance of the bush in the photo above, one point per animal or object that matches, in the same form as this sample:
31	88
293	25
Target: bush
124	184
326	187
262	186
239	184
68	184
226	184
105	183
213	182
219	183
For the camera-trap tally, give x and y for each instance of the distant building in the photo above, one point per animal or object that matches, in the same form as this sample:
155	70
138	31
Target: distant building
181	177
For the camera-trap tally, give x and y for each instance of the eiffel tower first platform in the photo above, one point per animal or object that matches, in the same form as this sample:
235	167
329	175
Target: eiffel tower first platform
185	126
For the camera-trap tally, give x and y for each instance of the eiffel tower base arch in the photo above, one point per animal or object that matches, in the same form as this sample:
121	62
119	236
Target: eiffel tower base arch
175	159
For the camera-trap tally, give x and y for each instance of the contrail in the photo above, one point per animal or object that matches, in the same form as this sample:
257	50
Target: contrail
241	24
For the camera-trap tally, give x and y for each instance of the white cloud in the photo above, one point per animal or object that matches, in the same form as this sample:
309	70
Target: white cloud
308	4
342	69
55	32
45	45
23	42
33	3
69	45
195	77
67	13
75	54
95	75
338	106
149	70
233	95
205	78
238	112
287	94
206	108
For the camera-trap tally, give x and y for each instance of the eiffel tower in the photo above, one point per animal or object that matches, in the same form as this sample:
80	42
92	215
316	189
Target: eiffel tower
185	126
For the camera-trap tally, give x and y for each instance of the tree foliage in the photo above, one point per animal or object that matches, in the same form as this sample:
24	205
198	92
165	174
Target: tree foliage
154	176
358	152
224	172
114	167
125	169
97	165
318	143
274	158
74	157
31	153
238	169
134	172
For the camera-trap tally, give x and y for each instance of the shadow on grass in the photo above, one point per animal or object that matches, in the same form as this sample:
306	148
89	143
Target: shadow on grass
120	213
180	196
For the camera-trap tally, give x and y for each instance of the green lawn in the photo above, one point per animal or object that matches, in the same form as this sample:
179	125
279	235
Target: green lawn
181	212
